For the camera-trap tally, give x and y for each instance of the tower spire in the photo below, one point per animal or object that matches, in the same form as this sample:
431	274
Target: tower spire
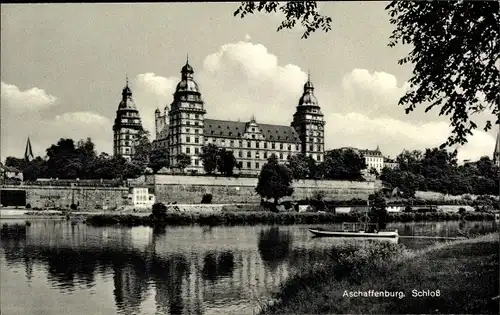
126	80
309	75
28	153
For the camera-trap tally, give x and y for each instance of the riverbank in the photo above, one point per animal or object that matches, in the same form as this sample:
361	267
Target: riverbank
268	217
455	277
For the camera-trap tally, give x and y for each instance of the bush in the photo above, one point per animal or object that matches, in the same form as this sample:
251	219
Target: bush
28	206
159	211
73	206
207	198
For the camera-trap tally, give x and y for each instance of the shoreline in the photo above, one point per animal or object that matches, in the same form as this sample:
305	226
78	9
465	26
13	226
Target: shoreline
267	217
453	277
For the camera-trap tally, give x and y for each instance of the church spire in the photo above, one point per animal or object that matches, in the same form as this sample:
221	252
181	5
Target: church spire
28	152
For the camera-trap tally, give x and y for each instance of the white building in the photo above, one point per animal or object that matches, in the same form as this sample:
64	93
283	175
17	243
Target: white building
373	159
141	198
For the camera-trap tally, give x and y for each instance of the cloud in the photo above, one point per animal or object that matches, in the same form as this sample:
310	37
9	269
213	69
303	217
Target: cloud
151	91
244	79
392	135
45	132
30	99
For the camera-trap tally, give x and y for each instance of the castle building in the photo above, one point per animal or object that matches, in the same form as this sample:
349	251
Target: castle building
183	128
127	126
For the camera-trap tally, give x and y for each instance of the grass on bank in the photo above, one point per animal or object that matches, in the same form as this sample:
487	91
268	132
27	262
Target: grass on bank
465	272
267	217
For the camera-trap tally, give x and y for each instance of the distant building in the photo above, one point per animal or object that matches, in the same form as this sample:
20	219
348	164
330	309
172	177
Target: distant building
7	172
390	163
127	126
183	128
373	159
496	153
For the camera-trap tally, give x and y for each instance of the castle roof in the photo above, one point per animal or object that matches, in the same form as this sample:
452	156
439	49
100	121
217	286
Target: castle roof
236	129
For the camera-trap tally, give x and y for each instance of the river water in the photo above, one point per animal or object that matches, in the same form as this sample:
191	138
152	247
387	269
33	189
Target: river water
62	268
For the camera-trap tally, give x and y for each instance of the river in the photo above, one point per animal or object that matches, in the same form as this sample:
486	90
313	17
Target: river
62	268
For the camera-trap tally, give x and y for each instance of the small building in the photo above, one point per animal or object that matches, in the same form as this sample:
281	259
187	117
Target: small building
140	197
390	163
8	172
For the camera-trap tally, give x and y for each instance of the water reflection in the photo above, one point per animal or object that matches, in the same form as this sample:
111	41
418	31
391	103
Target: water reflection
188	270
274	246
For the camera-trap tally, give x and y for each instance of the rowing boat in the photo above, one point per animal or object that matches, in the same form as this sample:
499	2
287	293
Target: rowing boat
377	234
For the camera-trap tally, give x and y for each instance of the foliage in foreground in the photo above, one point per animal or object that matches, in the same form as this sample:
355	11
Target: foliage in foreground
468	279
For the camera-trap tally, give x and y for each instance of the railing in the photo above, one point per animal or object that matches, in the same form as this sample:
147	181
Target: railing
355	227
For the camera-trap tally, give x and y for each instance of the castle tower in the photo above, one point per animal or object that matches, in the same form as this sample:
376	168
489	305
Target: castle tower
28	152
186	118
127	126
161	123
309	123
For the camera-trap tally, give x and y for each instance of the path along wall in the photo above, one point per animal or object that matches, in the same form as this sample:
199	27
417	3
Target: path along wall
190	189
87	198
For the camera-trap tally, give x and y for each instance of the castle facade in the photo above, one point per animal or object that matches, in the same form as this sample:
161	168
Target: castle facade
182	127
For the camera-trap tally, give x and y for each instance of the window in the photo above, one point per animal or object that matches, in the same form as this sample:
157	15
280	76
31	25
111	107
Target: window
231	143
289	148
196	116
253	129
281	156
188	123
249	154
273	146
196	162
311	148
126	142
196	140
257	165
196	123
265	155
257	155
240	153
249	165
188	150
257	144
196	131
196	150
241	142
187	129
240	164
248	144
265	145
253	136
188	139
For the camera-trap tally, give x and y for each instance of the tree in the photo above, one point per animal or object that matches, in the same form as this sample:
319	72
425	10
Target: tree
299	166
456	49
183	160
19	164
378	211
373	171
158	159
305	12
275	180
209	156
142	148
226	162
343	164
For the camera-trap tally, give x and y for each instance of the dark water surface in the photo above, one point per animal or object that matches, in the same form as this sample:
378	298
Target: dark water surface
60	268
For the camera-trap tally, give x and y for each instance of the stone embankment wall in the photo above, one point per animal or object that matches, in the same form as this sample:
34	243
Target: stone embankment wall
88	198
190	189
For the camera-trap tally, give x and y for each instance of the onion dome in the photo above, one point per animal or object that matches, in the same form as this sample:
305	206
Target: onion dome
308	97
187	82
127	102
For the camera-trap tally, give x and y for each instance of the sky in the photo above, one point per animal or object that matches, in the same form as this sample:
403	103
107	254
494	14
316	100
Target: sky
63	67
